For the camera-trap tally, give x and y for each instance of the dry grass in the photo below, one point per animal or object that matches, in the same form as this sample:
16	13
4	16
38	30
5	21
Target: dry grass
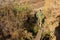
16	22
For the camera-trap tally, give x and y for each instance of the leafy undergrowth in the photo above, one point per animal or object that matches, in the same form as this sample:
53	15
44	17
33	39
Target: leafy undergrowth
16	23
19	22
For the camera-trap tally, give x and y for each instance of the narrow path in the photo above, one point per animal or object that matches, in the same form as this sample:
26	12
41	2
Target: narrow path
38	35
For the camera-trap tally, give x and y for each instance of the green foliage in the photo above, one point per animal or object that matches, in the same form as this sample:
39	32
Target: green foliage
39	15
36	29
23	8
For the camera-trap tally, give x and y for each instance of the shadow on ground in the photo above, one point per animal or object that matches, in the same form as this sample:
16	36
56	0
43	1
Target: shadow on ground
57	32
